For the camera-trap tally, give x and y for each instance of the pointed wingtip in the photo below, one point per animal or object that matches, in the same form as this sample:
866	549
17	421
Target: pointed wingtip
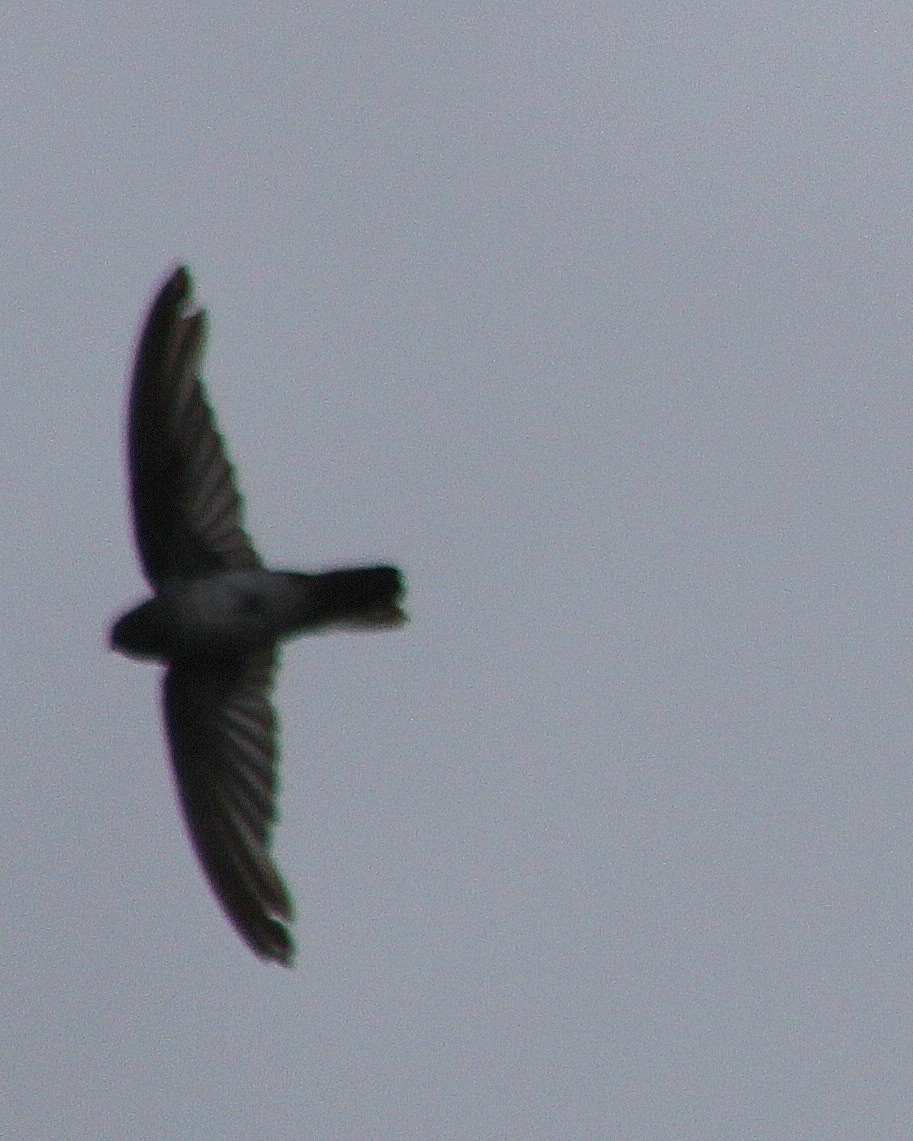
180	274
280	948
175	288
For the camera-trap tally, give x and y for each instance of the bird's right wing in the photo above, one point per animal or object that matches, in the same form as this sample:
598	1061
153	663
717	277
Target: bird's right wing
222	730
186	507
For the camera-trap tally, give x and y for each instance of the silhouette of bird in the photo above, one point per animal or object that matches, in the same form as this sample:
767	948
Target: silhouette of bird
215	619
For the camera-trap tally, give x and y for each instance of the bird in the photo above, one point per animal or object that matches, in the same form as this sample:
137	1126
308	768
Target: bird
216	617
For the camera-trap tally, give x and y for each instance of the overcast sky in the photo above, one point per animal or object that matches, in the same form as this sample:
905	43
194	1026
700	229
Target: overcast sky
597	319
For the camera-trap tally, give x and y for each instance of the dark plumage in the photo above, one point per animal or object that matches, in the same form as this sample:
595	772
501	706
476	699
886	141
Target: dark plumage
215	619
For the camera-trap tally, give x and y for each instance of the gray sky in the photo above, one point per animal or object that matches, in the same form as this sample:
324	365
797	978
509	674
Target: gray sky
597	319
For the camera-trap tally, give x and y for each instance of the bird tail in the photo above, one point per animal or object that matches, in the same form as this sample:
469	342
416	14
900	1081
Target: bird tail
362	597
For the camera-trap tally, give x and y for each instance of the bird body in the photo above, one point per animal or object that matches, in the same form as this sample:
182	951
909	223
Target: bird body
219	616
215	618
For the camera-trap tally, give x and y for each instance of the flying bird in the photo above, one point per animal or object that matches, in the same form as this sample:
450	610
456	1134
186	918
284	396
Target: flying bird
216	617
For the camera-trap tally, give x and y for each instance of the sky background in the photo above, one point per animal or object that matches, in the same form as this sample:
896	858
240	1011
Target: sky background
598	320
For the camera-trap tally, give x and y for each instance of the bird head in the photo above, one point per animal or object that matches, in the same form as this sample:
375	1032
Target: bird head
140	632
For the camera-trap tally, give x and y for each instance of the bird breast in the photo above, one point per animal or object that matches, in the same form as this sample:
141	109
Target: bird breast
205	619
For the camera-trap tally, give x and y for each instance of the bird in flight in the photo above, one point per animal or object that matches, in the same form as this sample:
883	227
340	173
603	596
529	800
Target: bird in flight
216	617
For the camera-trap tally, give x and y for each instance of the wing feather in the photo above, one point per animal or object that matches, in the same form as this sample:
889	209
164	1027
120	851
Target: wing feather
222	730
187	511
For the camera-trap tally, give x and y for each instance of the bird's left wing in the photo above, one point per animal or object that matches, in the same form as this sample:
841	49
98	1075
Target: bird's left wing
186	506
222	730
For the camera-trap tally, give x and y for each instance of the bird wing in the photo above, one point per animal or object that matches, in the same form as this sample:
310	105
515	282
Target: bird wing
222	730
186	507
